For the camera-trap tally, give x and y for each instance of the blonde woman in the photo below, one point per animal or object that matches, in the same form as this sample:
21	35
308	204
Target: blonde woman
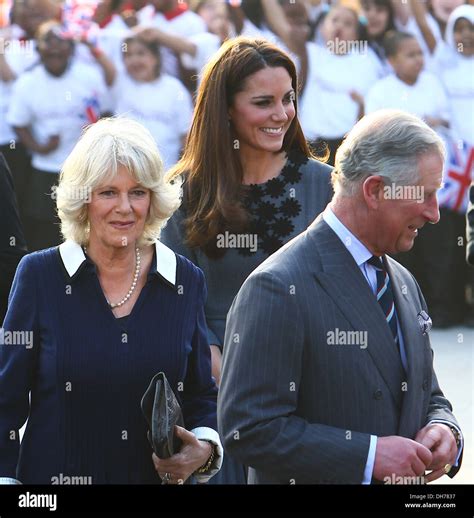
99	316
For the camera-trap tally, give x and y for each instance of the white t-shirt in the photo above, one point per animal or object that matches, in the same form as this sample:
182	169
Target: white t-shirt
110	40
19	56
426	98
164	106
207	44
61	106
456	73
326	108
186	24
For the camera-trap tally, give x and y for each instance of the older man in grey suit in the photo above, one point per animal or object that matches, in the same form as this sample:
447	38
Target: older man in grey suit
328	370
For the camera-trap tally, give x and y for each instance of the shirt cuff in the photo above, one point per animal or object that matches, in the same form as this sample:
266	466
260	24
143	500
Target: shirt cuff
369	466
8	481
461	445
204	433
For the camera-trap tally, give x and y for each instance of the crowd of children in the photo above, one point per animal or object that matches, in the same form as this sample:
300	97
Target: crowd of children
63	64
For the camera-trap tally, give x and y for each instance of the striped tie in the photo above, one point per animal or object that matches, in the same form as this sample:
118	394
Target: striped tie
385	295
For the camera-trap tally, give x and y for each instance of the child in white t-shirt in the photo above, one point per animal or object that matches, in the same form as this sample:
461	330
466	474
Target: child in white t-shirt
340	73
157	100
49	108
409	88
19	56
378	19
454	65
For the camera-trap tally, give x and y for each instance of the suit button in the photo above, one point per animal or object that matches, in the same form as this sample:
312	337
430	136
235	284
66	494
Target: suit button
425	385
378	394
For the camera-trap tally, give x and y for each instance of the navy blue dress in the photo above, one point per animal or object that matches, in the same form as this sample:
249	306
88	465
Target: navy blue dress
87	370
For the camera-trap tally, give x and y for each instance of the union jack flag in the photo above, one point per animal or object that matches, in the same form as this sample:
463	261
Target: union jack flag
457	176
92	109
77	17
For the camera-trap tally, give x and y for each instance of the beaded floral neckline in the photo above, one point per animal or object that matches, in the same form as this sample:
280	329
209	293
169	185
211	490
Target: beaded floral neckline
271	220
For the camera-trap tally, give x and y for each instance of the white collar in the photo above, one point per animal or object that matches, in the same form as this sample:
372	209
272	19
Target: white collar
357	249
72	257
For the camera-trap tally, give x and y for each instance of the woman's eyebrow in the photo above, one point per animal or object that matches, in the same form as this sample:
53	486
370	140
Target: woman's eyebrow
271	96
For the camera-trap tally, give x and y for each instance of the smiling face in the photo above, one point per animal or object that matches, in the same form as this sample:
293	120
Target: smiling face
264	110
463	35
408	60
140	62
118	210
397	220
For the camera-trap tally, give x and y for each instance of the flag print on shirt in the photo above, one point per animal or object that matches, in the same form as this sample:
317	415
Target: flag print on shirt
91	109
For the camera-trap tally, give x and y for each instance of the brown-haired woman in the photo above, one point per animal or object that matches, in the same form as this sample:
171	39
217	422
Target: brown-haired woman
250	182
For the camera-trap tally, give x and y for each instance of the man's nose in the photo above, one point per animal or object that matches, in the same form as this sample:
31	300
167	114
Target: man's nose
431	212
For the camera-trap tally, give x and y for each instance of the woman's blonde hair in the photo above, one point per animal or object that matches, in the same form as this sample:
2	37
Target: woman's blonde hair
102	148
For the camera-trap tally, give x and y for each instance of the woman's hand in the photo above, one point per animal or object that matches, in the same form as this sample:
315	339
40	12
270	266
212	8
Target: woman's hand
193	454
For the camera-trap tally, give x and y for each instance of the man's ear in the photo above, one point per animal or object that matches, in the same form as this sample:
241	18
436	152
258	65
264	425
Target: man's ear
373	190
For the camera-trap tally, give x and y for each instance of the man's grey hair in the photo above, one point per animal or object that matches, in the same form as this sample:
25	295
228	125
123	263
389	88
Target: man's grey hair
388	143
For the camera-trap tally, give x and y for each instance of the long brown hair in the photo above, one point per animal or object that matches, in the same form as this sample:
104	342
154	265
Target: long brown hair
210	165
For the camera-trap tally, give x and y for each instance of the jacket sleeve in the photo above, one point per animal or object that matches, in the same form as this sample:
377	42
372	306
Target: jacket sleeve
440	408
199	397
19	343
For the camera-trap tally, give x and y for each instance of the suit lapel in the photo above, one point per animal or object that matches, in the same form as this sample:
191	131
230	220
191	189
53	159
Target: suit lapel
342	279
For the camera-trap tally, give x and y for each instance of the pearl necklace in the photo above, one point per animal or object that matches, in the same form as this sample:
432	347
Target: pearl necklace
134	282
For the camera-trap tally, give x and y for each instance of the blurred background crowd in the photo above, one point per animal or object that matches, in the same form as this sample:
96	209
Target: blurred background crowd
65	64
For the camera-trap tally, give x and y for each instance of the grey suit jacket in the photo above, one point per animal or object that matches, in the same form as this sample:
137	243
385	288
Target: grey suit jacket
296	408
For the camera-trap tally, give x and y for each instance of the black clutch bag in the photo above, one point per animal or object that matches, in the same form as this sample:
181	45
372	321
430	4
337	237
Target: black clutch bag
162	412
